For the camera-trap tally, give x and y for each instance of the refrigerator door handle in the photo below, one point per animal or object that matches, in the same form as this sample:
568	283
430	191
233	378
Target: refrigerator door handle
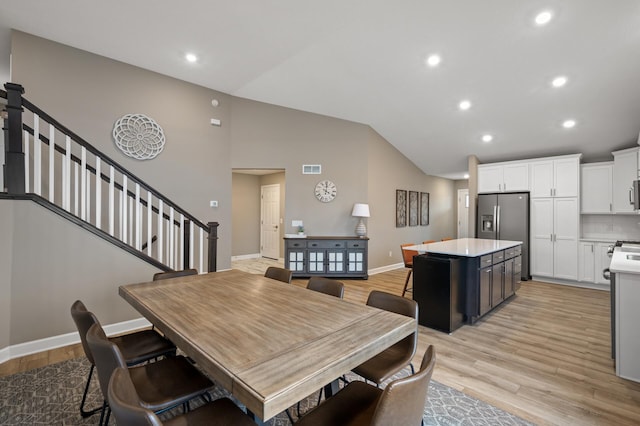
498	224
495	220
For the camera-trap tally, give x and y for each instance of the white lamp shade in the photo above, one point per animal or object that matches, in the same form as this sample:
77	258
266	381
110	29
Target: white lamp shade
360	210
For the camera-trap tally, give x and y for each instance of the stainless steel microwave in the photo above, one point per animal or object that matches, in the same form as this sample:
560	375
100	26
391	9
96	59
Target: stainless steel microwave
636	195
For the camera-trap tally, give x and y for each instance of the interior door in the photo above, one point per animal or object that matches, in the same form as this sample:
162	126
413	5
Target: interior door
463	213
270	221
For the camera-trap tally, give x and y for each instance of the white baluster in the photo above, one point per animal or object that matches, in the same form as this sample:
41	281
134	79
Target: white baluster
149	219
76	186
172	256
67	175
111	199
201	251
88	199
52	145
160	228
138	218
181	258
83	183
131	224
123	210
27	174
98	194
37	156
191	244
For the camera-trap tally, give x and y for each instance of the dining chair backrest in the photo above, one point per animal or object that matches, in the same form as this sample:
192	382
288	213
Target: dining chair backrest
428	241
402	401
327	286
174	274
399	305
106	354
407	255
280	274
125	403
447	239
83	319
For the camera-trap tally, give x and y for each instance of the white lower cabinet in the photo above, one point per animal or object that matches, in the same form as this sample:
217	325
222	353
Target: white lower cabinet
554	237
593	259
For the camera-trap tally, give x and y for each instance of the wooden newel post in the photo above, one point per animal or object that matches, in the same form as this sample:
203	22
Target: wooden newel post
213	245
187	244
14	154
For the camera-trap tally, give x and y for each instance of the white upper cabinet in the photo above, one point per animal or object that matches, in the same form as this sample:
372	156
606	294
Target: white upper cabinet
596	195
625	171
559	177
503	177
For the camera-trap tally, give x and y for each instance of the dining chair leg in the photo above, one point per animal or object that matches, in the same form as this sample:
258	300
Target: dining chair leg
406	282
102	413
84	413
289	415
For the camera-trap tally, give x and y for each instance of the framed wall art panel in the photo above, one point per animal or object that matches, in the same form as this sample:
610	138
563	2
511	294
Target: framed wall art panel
413	208
401	208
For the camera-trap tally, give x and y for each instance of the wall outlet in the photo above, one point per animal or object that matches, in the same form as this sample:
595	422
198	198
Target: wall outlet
390	253
213	203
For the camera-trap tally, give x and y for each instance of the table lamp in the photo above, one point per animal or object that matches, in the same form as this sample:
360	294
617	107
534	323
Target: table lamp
361	211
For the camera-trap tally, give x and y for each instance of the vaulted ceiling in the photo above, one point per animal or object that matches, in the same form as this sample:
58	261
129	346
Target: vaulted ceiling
365	61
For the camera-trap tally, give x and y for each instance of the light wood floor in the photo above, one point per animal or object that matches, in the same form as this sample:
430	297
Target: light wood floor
544	355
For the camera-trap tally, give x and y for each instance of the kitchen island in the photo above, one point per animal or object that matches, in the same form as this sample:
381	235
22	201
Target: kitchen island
625	299
456	282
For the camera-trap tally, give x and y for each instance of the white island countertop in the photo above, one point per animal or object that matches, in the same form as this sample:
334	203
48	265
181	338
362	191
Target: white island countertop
468	247
626	259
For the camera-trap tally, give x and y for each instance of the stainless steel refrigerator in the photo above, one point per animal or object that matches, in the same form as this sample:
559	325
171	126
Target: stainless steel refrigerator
505	216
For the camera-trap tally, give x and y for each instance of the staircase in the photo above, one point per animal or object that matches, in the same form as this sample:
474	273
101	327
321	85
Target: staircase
49	164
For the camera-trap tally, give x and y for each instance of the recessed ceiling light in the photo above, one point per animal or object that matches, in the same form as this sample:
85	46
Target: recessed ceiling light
487	138
559	81
568	124
433	60
543	17
464	105
191	57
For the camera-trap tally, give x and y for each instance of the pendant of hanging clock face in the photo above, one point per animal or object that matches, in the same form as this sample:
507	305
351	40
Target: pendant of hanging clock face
326	191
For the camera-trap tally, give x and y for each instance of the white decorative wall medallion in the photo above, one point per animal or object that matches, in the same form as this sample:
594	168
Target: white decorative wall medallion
138	136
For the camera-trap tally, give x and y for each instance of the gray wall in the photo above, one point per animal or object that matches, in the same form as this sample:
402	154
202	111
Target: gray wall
6	261
245	209
45	279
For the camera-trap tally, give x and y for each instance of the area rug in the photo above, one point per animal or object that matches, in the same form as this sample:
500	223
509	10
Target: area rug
51	396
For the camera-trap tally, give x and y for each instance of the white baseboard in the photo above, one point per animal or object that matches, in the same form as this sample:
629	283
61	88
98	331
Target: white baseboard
246	256
581	284
53	342
385	268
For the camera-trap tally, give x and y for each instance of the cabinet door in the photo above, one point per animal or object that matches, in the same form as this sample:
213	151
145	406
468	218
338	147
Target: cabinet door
295	260
602	261
356	261
490	178
596	188
625	171
509	278
516	177
566	175
541	237
497	284
335	261
541	173
565	262
315	264
586	262
485	289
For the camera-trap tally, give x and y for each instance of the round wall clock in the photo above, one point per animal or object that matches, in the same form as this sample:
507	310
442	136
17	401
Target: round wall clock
326	191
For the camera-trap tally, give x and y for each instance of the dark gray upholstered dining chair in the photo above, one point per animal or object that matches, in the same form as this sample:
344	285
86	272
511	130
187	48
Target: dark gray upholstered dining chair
400	403
174	274
128	410
326	286
280	274
395	358
160	385
136	347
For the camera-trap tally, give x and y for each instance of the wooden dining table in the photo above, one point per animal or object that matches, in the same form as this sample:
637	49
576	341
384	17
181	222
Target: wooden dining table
270	344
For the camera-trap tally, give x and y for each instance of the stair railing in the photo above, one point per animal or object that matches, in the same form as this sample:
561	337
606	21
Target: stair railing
45	159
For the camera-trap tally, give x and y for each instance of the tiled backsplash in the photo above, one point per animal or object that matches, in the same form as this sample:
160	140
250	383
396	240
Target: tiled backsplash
611	227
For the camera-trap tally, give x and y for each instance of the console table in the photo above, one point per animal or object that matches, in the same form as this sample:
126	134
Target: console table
333	257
